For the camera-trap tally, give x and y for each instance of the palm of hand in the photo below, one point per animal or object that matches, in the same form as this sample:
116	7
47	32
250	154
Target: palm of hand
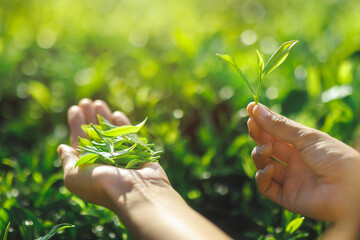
101	184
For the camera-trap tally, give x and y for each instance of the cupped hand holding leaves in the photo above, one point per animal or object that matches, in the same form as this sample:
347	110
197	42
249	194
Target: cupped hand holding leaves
100	184
143	198
322	178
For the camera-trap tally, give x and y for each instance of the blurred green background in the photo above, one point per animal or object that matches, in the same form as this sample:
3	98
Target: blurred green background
157	59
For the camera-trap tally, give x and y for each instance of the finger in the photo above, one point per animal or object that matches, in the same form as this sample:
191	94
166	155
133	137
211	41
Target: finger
267	187
75	120
68	156
283	128
261	156
119	119
102	109
88	110
281	150
256	133
250	108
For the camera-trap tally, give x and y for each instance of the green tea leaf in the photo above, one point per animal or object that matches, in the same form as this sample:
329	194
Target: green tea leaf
137	140
143	154
279	56
126	129
84	142
125	159
90	132
260	62
116	146
232	63
143	139
155	158
55	230
88	158
135	163
261	75
278	161
108	141
6	231
294	225
105	124
125	151
105	155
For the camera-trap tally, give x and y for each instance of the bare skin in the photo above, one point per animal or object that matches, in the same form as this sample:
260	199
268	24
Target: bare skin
322	176
143	199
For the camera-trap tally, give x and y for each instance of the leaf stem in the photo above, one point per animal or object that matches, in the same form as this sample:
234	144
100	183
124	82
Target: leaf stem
261	76
278	161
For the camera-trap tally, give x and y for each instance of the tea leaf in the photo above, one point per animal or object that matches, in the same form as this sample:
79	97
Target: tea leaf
105	155
125	151
294	225
105	124
109	143
144	140
90	132
116	146
260	62
137	140
84	142
88	158
261	75
56	229
278	161
232	63
135	162
279	56
123	130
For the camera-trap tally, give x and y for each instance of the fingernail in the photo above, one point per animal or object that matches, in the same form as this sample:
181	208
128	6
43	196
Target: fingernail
260	172
263	112
260	149
59	149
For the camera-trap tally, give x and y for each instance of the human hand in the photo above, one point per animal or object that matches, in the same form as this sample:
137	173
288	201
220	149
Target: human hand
143	198
322	178
109	186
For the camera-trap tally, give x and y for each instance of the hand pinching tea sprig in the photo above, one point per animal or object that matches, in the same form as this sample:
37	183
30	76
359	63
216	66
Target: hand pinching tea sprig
275	60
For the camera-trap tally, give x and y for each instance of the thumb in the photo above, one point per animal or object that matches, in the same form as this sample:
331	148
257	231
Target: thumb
283	128
68	156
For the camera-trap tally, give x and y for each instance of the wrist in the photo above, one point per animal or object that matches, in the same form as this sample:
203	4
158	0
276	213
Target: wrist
141	197
159	212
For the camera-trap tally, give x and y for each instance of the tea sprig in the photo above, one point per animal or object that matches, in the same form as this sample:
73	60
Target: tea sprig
115	146
277	58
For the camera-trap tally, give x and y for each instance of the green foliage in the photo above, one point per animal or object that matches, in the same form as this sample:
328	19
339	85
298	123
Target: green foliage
56	229
115	146
294	225
6	231
157	59
53	231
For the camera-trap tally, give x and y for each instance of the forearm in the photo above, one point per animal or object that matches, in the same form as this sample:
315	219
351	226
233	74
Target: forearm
162	214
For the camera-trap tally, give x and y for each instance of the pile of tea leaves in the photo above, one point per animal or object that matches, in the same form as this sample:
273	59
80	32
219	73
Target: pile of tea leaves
115	145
